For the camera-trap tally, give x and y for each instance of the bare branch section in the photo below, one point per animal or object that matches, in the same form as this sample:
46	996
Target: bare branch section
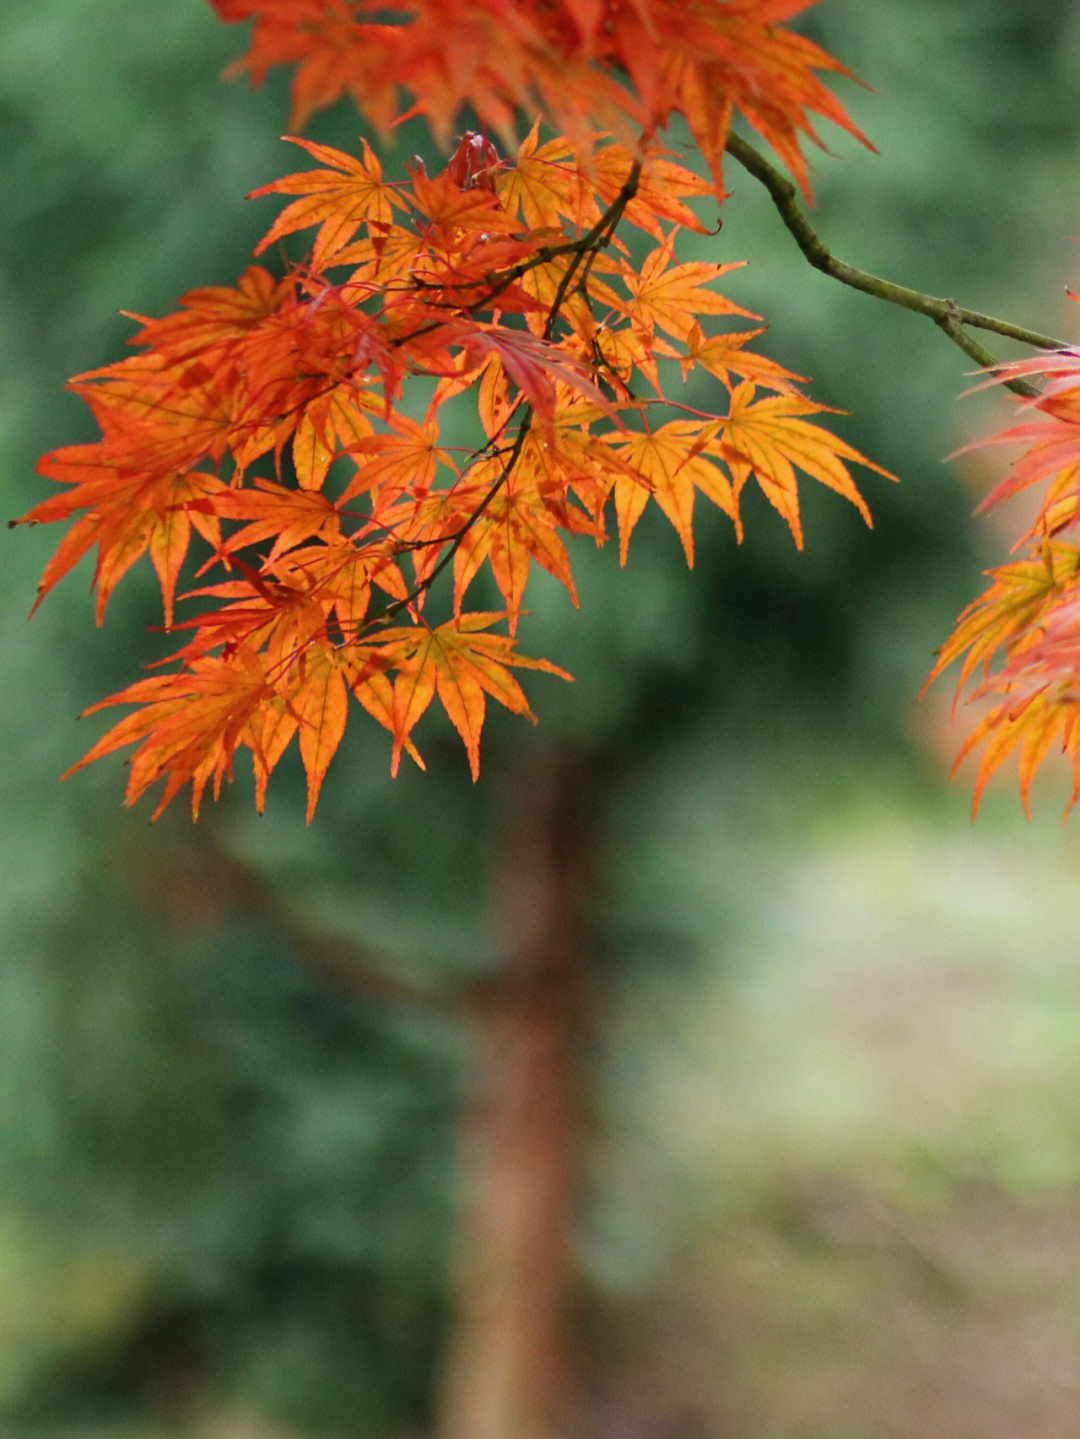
953	319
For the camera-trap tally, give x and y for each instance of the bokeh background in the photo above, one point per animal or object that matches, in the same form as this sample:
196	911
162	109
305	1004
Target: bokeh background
820	1036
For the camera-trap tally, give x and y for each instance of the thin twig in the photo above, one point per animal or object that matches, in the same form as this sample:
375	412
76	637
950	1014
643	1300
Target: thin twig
599	237
950	317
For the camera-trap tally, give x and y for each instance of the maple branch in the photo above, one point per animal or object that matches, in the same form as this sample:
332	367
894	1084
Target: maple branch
591	243
946	314
453	541
583	249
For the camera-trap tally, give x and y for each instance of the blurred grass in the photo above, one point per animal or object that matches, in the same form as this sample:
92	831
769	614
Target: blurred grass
841	1163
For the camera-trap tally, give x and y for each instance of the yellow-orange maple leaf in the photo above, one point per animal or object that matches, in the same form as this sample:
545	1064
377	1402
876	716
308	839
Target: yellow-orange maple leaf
770	438
461	661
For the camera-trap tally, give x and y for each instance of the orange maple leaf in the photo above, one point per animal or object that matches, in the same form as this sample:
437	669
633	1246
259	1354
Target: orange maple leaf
668	295
340	199
1028	726
320	701
670	464
1014	605
460	661
639	62
128	515
188	726
516	528
769	439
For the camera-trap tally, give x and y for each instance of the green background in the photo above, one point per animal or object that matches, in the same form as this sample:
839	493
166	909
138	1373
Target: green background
833	1150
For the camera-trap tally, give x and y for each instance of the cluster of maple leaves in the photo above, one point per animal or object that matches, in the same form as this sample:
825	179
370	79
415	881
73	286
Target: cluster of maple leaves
288	433
1023	632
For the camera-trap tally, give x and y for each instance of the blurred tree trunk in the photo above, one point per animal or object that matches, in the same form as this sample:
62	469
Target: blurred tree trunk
509	1371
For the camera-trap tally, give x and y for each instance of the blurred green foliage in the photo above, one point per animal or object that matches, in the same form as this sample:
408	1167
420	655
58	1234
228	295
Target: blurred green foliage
220	1177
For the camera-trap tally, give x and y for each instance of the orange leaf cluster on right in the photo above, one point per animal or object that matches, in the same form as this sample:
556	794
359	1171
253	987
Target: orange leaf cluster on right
1027	621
